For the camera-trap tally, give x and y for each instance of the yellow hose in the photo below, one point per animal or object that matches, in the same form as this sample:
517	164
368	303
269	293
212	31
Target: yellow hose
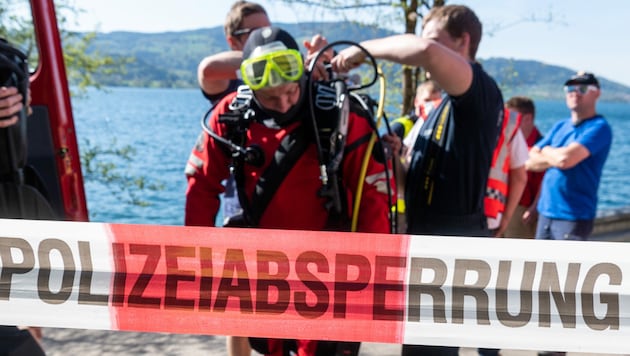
368	152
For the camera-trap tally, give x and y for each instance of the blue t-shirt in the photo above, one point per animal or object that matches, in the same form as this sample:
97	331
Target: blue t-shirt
571	194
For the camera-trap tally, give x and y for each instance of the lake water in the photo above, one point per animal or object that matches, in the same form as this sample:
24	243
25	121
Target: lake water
163	124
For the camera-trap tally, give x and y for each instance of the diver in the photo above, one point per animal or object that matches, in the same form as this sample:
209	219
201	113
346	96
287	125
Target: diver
296	148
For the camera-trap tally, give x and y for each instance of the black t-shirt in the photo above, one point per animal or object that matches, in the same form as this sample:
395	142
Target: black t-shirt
461	164
214	98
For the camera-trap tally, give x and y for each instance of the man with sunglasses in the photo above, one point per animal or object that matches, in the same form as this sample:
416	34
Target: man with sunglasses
273	115
572	155
217	73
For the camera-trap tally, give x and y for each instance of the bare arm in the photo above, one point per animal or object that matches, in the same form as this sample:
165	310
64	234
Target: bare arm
559	157
517	179
530	215
215	72
566	157
400	165
448	68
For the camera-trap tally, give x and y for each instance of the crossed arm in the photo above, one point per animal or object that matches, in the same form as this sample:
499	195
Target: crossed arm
559	157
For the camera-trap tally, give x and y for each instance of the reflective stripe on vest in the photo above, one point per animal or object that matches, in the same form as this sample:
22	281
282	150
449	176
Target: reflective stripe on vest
497	187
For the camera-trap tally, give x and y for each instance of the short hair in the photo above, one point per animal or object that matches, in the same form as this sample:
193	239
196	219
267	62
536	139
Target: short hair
428	85
522	104
457	20
240	10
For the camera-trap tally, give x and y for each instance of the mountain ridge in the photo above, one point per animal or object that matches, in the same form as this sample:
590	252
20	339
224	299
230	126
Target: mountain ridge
170	59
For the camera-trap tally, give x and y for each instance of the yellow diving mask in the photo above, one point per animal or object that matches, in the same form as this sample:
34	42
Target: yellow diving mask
272	65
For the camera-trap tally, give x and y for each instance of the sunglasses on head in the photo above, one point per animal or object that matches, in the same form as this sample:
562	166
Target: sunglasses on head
581	88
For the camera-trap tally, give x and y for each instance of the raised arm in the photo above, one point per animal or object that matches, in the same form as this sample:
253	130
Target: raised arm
448	68
215	72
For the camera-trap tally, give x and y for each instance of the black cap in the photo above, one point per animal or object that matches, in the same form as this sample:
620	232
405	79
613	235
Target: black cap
583	78
265	35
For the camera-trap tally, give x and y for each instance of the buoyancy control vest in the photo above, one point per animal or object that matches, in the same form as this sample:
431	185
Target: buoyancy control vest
331	104
497	187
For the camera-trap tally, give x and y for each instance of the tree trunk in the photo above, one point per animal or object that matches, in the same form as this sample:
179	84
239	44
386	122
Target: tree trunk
408	82
411	77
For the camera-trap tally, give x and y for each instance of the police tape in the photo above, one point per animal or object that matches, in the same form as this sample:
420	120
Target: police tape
452	291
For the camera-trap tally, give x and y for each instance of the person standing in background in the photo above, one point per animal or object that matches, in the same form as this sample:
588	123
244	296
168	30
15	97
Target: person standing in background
428	96
523	221
508	177
572	155
217	73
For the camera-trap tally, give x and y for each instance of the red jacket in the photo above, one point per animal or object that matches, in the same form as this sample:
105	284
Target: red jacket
296	204
534	179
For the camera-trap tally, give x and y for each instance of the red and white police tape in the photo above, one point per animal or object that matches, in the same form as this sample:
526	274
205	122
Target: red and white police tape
458	291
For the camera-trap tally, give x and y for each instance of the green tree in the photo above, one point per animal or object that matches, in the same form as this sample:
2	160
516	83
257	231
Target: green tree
409	13
101	165
98	165
82	65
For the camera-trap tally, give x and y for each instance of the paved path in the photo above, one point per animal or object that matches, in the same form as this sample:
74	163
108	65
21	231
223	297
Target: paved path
63	342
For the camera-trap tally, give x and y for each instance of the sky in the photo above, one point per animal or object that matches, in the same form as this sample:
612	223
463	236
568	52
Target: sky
578	34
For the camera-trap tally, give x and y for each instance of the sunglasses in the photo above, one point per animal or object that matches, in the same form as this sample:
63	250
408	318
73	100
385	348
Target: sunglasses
244	31
272	69
581	89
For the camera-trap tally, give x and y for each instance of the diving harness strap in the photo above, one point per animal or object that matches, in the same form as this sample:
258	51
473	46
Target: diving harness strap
330	129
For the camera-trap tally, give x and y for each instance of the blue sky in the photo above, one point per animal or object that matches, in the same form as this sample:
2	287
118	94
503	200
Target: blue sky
582	34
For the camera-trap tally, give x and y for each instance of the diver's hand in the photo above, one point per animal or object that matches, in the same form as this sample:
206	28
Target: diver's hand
348	59
393	141
313	47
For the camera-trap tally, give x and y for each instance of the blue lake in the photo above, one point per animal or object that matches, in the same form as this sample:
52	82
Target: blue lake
163	124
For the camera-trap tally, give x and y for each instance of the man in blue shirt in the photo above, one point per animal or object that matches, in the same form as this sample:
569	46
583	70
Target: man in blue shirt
573	154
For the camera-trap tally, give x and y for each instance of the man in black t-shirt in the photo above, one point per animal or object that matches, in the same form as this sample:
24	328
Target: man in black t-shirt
454	149
451	158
